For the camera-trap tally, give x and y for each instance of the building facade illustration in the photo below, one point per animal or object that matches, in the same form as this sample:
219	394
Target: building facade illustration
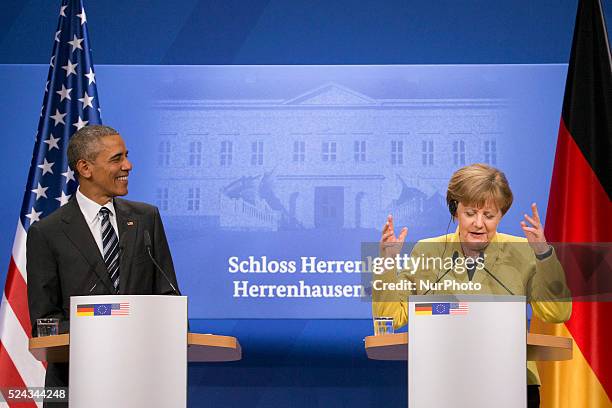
331	157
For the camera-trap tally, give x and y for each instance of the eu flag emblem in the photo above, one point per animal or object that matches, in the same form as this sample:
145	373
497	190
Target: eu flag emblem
102	310
440	308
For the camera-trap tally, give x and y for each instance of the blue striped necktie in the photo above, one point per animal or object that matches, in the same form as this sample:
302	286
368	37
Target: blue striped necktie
110	248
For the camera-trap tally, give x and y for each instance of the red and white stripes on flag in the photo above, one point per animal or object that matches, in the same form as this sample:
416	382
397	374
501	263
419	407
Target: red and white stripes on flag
460	308
122	310
70	102
18	368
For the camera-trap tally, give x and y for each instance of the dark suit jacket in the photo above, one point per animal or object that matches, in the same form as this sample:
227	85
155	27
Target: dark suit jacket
63	259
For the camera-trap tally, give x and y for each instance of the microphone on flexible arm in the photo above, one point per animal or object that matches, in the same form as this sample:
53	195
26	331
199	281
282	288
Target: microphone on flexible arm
455	256
147	242
92	268
493	276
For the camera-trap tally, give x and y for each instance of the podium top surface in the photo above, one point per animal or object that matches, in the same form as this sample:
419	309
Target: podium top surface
540	347
466	298
118	298
200	348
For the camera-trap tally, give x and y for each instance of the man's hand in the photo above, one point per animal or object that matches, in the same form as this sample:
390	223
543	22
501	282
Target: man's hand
534	232
390	245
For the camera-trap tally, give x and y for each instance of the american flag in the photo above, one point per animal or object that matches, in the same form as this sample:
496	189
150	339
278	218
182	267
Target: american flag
70	102
120	309
459	308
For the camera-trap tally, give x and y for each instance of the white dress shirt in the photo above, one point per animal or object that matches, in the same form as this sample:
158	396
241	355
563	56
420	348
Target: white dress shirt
91	212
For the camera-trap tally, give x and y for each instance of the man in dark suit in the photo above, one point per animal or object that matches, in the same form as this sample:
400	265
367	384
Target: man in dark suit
94	244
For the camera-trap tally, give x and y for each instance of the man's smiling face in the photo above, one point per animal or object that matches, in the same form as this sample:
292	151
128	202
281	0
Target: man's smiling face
108	172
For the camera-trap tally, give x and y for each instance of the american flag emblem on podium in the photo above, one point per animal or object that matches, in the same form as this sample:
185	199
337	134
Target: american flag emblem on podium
120	309
460	308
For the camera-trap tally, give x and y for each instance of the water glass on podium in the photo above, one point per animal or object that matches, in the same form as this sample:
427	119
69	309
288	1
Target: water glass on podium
47	327
383	325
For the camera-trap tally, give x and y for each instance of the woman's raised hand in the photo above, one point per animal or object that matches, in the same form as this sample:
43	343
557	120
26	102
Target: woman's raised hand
534	231
390	244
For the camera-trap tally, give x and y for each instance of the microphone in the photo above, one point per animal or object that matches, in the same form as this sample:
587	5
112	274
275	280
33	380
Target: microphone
455	256
147	242
92	269
471	268
121	248
494	277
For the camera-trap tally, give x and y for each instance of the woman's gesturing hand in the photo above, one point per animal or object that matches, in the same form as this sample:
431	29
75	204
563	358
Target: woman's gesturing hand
391	245
534	231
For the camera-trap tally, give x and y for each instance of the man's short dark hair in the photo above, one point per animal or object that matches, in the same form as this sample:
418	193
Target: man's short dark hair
84	144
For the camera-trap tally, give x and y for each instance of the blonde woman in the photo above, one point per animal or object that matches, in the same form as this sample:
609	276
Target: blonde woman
478	196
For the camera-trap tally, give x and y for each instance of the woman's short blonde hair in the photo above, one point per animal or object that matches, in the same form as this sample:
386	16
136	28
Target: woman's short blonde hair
476	185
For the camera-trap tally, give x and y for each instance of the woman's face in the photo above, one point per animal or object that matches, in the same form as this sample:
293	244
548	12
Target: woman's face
477	226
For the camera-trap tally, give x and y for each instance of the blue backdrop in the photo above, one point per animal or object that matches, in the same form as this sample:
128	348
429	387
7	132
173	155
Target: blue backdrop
285	162
303	352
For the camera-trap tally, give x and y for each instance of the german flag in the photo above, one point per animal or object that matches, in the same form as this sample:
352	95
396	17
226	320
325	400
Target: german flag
423	308
580	210
85	310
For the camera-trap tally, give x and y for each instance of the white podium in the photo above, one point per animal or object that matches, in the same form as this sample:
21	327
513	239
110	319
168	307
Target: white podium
467	351
128	351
